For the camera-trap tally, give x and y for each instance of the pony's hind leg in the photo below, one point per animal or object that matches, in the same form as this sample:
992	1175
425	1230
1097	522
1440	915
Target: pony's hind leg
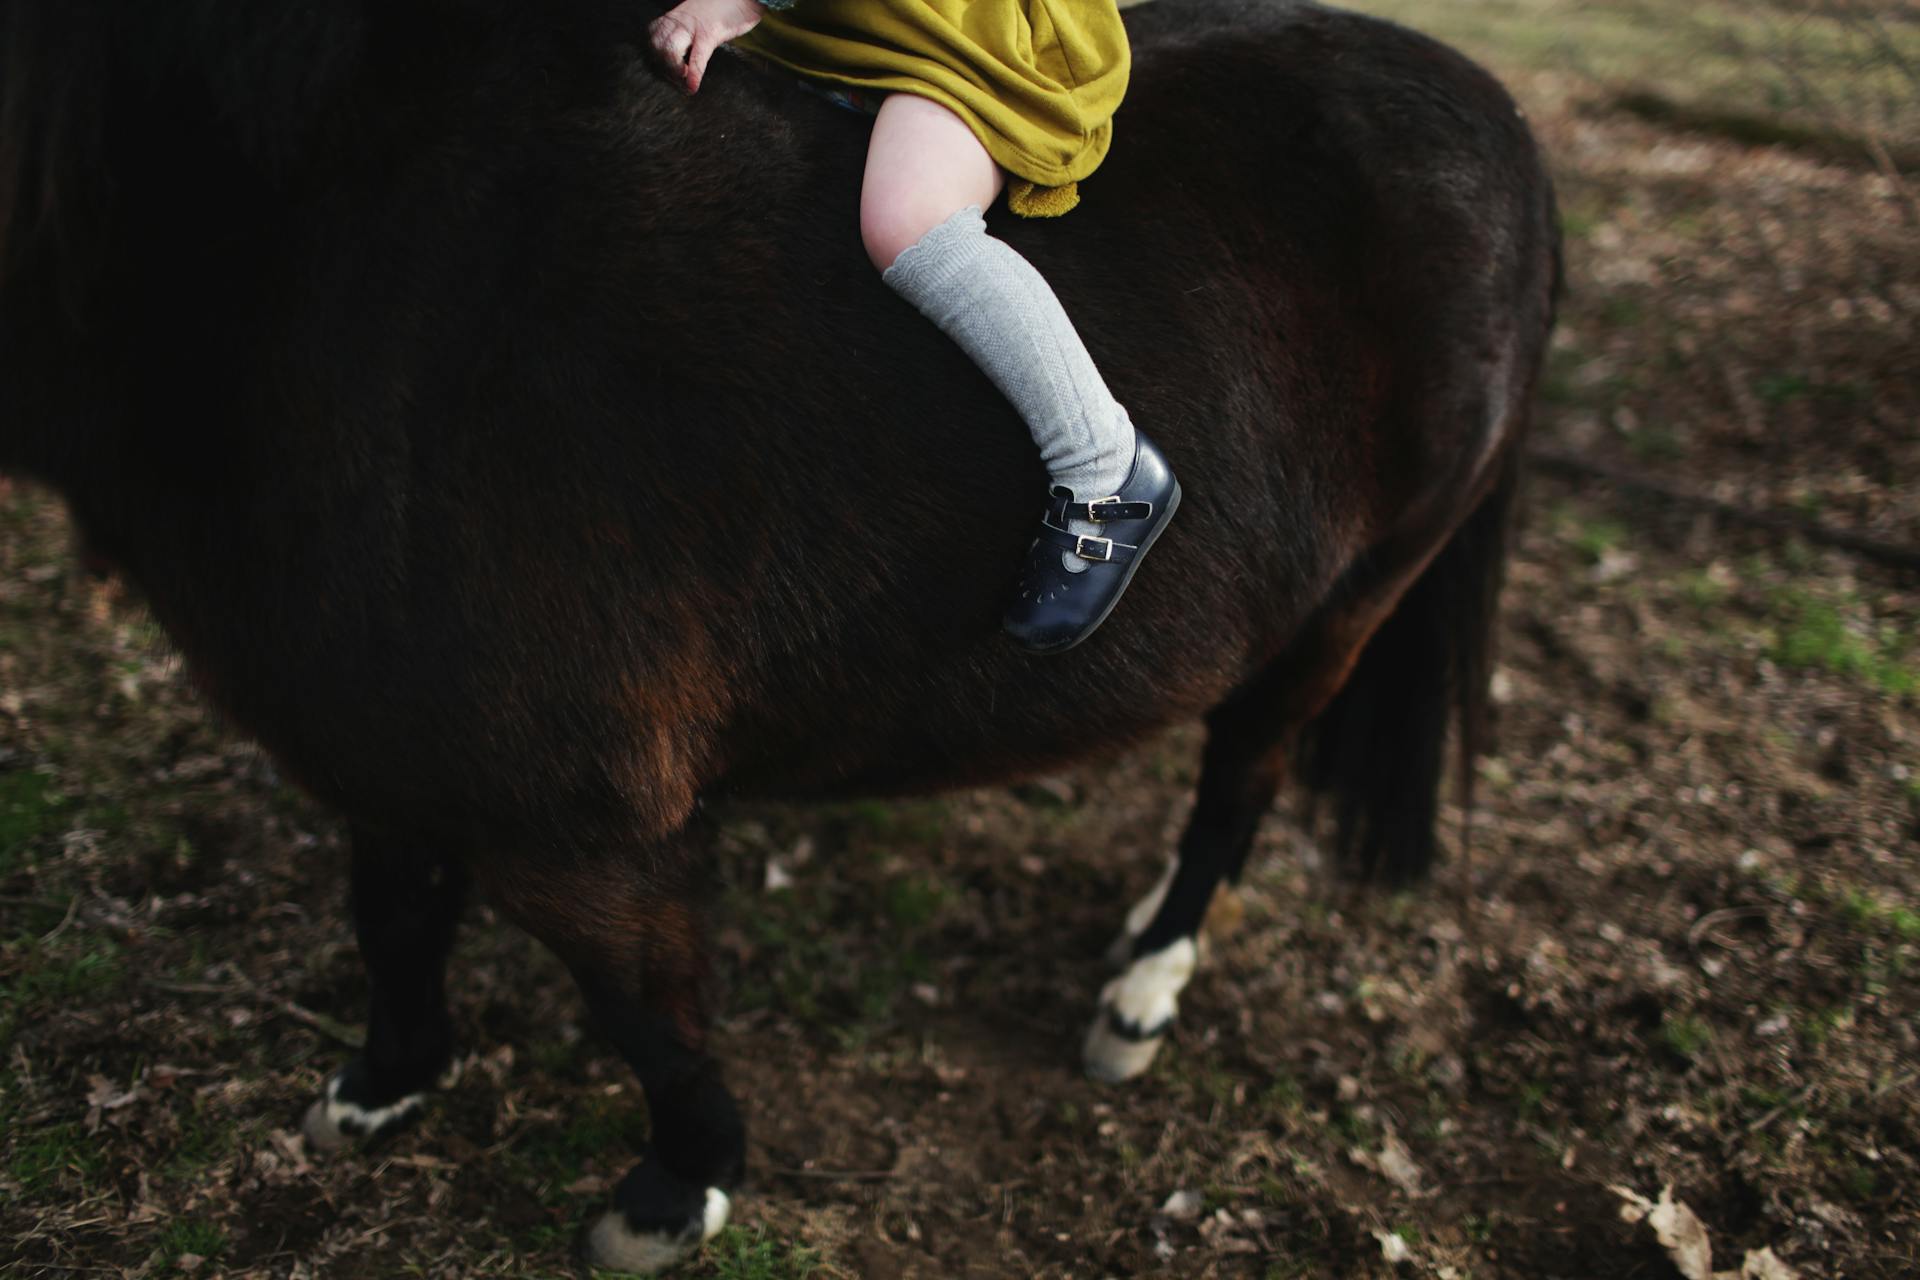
632	939
1249	738
1240	772
406	902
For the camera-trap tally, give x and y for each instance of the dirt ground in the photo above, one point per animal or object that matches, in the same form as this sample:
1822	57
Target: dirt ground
1684	950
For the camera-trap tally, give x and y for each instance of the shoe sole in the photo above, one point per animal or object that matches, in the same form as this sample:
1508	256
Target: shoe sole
1133	567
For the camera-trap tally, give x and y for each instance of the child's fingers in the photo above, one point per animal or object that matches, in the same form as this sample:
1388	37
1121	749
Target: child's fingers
703	46
672	41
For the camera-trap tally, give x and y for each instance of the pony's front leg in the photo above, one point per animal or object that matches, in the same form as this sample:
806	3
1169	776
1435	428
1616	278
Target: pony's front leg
629	931
407	897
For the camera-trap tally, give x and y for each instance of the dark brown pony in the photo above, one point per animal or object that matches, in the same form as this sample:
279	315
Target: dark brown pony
526	454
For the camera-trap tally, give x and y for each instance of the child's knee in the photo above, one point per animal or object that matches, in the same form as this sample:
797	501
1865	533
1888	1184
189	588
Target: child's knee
892	223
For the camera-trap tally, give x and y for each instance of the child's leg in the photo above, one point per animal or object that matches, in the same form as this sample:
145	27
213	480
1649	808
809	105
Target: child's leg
923	166
927	181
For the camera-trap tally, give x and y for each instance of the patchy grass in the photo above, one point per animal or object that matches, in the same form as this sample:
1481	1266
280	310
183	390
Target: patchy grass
31	808
1592	536
1705	590
1784	388
745	1254
204	1137
607	1129
51	1157
1655	444
1829	635
37	973
1867	911
1757	73
848	984
1686	1036
912	901
191	1238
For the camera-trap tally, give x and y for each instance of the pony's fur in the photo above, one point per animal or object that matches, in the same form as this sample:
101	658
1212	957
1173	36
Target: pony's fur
525	452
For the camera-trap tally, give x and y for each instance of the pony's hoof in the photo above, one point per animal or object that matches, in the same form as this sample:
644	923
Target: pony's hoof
1117	1049
1137	1010
617	1243
334	1121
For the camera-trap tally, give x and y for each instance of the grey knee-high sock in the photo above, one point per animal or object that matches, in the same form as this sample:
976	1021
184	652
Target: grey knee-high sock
992	302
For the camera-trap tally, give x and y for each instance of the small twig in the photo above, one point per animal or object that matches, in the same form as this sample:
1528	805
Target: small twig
1890	170
73	909
1899	554
191	988
1783	1108
1721	916
836	1175
331	1027
1826	140
352	1037
11	900
1892	1085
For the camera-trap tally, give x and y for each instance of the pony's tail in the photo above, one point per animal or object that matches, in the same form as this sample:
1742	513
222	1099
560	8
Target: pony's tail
1376	754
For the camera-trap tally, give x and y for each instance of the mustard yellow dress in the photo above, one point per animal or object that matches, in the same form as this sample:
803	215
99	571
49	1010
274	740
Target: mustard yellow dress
1038	81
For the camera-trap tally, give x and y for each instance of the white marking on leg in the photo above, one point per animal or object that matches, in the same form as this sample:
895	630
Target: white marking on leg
1136	1009
1142	914
715	1216
1147	994
1148	907
333	1122
614	1245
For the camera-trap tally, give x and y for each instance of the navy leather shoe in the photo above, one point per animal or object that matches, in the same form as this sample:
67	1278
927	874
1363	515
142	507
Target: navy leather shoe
1053	609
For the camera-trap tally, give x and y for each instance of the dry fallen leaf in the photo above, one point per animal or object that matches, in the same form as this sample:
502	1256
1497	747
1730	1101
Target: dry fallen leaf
1760	1264
1393	1162
1392	1247
1182	1205
292	1150
106	1095
1679	1231
103	1096
1684	1237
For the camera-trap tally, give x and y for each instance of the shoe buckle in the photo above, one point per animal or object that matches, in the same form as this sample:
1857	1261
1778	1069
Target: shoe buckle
1100	502
1103	548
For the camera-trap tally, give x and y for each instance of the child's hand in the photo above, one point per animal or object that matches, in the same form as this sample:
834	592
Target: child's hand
685	36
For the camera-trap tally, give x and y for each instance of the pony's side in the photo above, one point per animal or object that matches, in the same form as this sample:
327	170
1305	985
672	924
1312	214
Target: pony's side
526	453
